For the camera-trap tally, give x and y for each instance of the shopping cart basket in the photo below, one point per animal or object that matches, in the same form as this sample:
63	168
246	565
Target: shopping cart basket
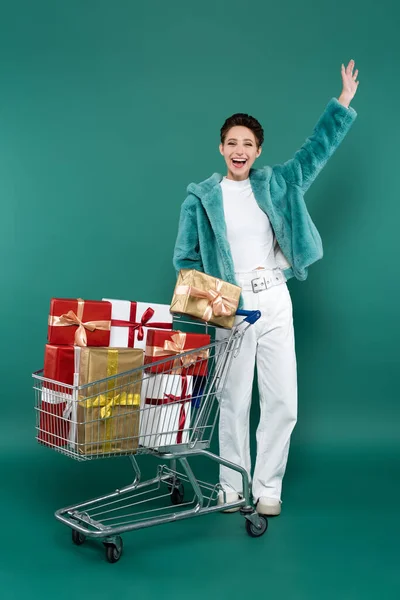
170	413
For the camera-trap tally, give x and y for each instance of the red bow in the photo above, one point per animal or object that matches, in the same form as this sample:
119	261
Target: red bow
144	322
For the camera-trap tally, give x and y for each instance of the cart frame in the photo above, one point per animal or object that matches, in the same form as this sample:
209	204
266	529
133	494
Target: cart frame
107	517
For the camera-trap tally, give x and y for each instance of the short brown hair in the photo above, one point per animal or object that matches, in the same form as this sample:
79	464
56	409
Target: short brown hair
243	120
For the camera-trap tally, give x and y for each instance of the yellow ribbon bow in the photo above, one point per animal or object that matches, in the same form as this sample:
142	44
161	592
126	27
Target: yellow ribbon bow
107	403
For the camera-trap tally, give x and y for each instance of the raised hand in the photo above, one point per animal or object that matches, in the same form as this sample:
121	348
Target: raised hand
350	83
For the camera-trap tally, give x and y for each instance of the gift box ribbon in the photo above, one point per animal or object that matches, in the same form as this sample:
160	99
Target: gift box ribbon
171	399
71	319
144	322
218	304
176	345
106	404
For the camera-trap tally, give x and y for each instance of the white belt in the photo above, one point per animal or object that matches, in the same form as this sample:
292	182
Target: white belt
268	279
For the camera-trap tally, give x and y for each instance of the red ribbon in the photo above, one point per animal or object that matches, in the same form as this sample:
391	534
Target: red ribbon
144	322
169	399
131	331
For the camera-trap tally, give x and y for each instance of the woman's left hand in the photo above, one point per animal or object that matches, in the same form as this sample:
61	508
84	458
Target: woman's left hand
350	84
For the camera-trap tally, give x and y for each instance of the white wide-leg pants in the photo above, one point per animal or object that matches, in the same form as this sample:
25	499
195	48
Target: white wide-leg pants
269	344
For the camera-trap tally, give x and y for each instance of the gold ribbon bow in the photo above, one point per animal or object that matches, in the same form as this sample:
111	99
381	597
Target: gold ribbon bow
177	346
218	304
107	404
70	318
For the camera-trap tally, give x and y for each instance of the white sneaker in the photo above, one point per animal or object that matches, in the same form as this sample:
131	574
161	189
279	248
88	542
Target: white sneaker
225	498
270	507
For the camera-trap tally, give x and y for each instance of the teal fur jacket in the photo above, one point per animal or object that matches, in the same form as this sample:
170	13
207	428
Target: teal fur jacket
202	242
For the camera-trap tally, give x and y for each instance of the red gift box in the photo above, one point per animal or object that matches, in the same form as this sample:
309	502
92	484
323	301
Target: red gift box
59	366
79	322
162	344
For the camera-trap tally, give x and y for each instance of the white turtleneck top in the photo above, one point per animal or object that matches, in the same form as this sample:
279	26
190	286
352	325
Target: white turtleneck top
250	235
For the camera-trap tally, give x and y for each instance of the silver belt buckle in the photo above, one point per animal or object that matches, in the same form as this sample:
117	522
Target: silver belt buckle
258	284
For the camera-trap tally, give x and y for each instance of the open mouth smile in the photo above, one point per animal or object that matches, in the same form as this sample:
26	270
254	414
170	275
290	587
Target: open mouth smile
239	163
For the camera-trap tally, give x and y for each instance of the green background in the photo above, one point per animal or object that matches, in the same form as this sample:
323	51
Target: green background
107	111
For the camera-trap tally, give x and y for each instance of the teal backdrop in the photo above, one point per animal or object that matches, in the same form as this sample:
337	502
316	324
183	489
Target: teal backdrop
107	111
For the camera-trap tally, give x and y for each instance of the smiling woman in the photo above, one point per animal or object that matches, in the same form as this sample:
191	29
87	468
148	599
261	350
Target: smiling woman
241	140
252	228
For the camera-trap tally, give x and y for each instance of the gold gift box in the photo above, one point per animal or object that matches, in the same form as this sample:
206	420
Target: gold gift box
206	298
108	412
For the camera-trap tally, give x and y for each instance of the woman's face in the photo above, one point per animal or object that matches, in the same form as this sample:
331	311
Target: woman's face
239	150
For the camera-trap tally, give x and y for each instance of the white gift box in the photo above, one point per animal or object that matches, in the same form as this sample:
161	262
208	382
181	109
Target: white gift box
138	315
51	396
163	409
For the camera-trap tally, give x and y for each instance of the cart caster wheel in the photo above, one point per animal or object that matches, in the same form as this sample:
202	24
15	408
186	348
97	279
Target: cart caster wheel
113	553
78	538
173	482
177	494
254	531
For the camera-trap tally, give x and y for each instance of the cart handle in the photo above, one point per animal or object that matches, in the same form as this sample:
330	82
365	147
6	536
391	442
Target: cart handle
251	315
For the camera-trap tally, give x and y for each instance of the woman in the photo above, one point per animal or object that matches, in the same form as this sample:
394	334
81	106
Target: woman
252	228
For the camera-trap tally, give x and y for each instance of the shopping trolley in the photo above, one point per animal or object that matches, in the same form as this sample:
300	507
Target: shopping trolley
170	413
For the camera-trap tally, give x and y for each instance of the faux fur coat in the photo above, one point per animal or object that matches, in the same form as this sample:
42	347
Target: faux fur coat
202	242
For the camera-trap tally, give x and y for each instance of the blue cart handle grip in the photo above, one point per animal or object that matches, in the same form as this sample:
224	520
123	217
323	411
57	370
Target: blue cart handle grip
251	315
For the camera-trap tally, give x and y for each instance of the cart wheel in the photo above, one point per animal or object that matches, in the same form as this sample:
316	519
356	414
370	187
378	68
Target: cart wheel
77	537
177	494
254	531
172	483
113	554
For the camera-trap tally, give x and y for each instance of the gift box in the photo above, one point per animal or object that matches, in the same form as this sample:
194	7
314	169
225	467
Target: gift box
58	366
206	298
129	321
108	424
99	363
79	322
165	410
162	344
107	413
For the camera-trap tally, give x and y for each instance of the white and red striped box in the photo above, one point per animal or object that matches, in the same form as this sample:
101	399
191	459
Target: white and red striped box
165	410
130	320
